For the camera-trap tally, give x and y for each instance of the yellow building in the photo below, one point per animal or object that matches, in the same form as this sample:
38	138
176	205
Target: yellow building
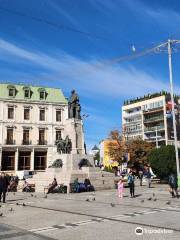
104	153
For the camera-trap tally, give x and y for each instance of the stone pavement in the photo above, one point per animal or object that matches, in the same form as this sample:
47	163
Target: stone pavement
87	216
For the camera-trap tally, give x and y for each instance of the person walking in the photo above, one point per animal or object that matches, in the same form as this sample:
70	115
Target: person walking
120	188
140	177
173	185
148	175
131	179
3	186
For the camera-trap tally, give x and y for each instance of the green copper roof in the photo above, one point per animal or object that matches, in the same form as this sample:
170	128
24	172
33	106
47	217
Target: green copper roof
53	95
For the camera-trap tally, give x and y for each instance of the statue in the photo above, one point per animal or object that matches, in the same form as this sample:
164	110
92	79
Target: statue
58	163
64	146
67	145
74	106
60	145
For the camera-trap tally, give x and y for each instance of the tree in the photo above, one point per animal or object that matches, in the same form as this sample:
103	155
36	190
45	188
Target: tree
163	161
137	149
97	156
115	147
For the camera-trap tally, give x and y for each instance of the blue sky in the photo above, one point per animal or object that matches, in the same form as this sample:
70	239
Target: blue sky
36	53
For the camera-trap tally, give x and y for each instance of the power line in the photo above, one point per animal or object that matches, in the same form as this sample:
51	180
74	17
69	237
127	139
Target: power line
50	23
156	49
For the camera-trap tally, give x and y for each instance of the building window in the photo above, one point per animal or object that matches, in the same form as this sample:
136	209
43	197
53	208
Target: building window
26	137
42	115
11	91
42	93
42	137
26	93
10	112
58	115
26	113
58	135
10	136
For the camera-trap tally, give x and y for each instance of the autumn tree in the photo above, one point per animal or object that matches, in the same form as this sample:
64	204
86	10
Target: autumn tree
137	149
116	147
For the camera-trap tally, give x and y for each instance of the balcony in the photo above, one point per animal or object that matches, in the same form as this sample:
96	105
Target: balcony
26	142
42	142
154	119
10	142
153	129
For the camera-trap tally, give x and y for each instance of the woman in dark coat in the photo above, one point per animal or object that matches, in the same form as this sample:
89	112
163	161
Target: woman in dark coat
3	186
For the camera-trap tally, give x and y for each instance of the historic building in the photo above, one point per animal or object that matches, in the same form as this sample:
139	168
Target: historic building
32	120
150	118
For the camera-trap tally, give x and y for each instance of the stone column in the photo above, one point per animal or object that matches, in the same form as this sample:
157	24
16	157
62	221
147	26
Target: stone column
0	159
16	160
32	161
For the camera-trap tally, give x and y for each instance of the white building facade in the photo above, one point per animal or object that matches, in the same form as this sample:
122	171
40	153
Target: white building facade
149	119
32	119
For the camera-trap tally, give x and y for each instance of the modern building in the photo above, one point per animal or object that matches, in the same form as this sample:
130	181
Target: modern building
32	119
150	118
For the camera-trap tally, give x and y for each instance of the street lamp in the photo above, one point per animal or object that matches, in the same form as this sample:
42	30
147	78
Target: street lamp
170	42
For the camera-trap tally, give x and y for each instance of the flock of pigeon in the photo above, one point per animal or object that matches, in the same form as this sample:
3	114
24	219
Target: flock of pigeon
153	198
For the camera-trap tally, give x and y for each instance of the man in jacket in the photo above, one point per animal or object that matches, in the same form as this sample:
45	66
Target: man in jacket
3	186
173	185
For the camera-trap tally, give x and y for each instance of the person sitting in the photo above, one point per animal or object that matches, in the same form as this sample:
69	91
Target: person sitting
52	186
76	185
87	184
12	186
26	187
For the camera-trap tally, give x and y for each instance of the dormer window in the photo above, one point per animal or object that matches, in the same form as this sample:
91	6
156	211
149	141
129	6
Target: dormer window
27	92
11	91
42	93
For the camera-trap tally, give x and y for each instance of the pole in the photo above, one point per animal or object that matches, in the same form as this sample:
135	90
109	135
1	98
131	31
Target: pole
172	102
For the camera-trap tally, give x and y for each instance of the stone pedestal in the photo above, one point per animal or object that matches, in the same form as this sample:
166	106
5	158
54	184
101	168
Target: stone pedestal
74	129
70	171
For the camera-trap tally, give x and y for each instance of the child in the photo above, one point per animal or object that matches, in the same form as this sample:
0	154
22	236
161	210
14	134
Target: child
120	188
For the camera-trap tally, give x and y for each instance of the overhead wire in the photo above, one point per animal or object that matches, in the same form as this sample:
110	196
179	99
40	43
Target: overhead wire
51	23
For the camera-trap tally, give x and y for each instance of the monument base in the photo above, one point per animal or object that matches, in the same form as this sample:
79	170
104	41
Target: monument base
74	166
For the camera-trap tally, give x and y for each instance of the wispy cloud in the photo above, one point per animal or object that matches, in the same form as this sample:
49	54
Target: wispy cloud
158	15
87	74
63	13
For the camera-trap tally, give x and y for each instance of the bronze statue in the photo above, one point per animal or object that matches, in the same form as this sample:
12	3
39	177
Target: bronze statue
64	146
74	106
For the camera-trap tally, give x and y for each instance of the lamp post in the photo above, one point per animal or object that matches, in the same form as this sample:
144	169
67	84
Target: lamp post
172	102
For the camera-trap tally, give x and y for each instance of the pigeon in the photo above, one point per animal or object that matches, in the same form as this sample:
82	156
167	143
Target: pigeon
112	205
94	199
14	193
11	209
168	202
150	198
153	194
155	200
24	204
45	196
35	196
1	214
87	200
32	195
17	203
142	200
